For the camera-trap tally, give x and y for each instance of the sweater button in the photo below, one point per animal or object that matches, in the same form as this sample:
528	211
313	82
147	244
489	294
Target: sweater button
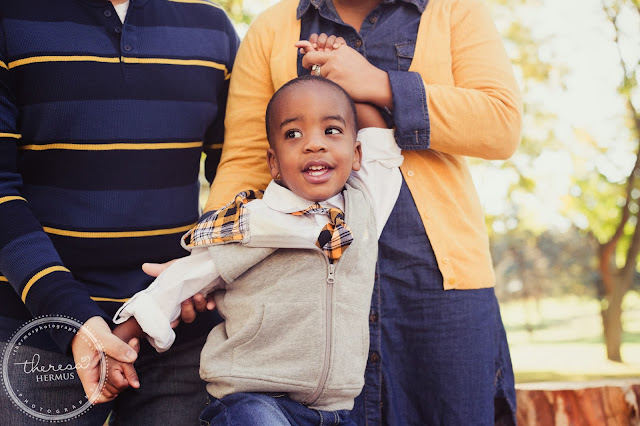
358	43
373	317
107	13
374	357
127	48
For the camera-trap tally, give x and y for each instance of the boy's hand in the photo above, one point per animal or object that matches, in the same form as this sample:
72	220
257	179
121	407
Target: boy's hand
112	346
120	376
191	306
320	43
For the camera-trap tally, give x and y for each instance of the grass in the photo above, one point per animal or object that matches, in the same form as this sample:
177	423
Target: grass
561	340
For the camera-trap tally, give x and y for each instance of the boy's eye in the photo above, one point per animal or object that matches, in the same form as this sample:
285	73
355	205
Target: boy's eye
292	134
332	131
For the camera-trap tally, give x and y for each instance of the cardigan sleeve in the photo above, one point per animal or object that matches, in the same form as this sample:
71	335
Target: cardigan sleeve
480	114
243	165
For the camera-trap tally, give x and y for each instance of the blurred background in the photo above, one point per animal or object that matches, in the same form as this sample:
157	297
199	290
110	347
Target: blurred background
562	213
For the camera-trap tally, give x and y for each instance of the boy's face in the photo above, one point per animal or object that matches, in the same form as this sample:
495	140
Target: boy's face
313	147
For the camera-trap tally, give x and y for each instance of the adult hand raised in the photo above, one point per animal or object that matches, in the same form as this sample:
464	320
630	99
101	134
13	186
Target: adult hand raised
348	68
191	306
83	353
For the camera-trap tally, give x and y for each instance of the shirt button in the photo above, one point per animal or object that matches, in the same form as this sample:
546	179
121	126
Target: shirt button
452	281
127	47
118	30
373	317
358	43
374	357
373	19
445	260
410	173
107	13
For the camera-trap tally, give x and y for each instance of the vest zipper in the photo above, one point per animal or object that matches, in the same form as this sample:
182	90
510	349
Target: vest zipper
329	338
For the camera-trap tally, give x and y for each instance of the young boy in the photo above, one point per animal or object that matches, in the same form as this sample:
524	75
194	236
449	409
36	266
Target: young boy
291	273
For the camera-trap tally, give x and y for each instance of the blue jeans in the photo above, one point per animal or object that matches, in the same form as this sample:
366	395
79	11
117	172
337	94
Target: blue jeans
260	409
436	357
171	391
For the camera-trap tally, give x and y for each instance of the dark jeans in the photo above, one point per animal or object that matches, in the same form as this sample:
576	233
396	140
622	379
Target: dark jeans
171	391
436	357
259	409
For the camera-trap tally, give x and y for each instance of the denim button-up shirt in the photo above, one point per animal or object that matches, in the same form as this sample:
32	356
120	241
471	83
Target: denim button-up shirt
387	39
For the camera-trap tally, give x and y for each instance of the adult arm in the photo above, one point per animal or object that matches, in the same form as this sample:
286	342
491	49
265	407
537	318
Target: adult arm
473	111
28	260
243	165
214	136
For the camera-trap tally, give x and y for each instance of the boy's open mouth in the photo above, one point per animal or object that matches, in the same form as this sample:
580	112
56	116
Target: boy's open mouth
316	171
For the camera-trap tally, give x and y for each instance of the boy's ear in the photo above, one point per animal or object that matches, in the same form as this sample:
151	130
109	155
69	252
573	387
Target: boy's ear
272	161
357	156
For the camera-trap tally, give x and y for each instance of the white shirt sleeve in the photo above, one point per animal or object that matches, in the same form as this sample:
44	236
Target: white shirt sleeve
380	171
156	307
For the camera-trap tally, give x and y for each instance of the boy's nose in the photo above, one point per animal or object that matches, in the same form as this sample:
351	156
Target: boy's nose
315	143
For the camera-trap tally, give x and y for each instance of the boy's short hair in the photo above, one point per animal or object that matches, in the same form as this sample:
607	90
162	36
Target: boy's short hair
303	80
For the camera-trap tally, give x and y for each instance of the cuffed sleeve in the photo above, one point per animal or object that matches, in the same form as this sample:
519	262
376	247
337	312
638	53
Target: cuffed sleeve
156	307
410	112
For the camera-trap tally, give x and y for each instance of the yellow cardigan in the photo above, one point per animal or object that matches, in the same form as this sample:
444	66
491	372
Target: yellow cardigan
474	110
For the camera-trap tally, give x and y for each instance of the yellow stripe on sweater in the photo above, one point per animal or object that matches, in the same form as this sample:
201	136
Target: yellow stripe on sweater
112	146
208	3
3	65
4	279
112	60
118	234
84	58
108	299
39	275
167	61
11	198
10	135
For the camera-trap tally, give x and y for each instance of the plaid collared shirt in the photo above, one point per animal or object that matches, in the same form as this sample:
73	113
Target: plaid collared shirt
225	225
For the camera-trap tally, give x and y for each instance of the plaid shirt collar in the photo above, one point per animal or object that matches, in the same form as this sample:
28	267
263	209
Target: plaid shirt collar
229	224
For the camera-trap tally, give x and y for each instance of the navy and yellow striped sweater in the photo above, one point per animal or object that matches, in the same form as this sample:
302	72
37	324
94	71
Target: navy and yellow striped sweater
102	126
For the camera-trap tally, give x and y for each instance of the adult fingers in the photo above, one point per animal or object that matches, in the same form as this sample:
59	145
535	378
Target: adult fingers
317	57
211	303
304	46
134	343
154	269
116	348
340	41
200	302
187	311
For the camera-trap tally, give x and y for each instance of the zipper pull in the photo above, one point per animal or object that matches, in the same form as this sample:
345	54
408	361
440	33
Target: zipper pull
331	278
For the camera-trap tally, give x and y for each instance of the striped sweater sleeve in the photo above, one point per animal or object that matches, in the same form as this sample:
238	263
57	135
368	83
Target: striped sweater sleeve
28	260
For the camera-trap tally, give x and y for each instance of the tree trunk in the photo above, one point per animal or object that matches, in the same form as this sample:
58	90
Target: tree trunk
612	323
